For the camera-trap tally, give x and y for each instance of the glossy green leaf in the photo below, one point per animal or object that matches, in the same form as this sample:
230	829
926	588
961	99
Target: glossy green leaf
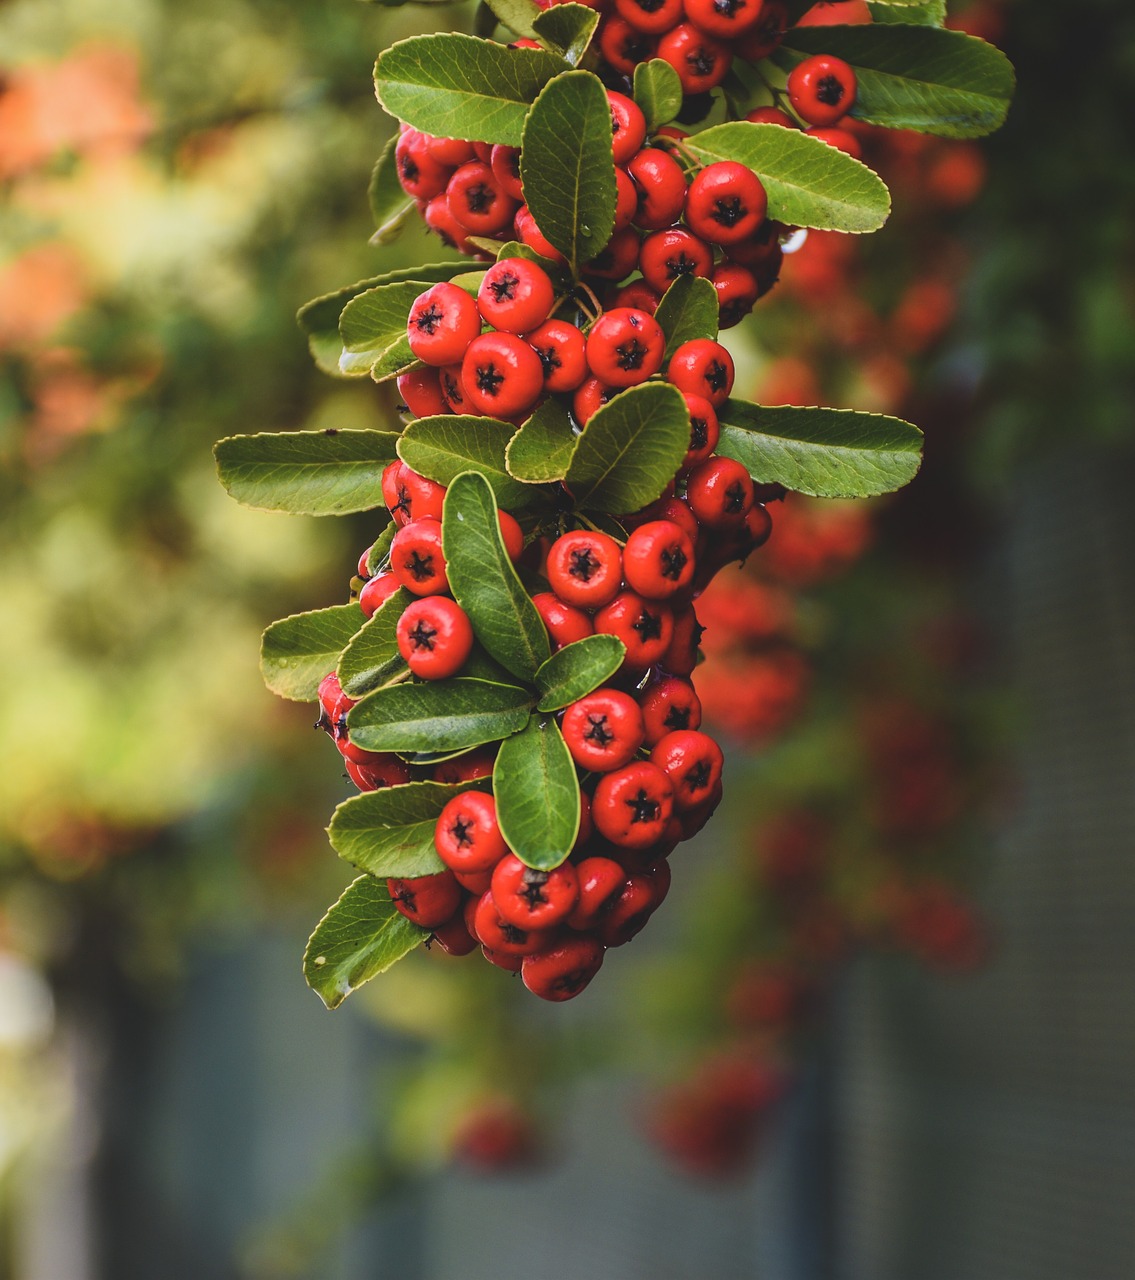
689	309
932	13
372	656
630	449
575	670
484	581
442	448
298	651
374	324
361	936
457	86
390	206
915	77
657	92
310	473
568	168
809	183
537	794
540	451
444	715
568	29
390	832
829	453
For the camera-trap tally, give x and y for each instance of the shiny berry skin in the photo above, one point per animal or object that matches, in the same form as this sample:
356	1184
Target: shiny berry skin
509	963
627	915
333	702
467	767
477	200
467	837
376	593
420	174
426	497
422	393
533	899
625	347
440	220
644	627
585	568
453	389
702	368
628	127
700	61
601	881
478	883
724	19
669	704
590	396
505	164
658	560
841	139
515	295
626	199
705	430
726	203
737	292
666	255
564	623
639	295
694	819
603	730
454	938
822	89
632	806
502	375
671	508
562	970
618	259
661	188
651	16
449	151
441	324
527	232
681	657
511	535
435	637
373	775
562	351
624	46
692	761
719	493
492	930
772	115
428	901
394	491
416	558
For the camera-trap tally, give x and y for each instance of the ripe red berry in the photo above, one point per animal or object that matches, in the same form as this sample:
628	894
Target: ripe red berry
454	938
669	704
702	368
492	930
700	61
564	623
603	730
638	294
449	151
645	628
724	19
626	199
652	16
719	492
737	292
841	139
534	899
515	295
467	837
421	175
590	396
632	806
658	560
376	593
477	200
505	164
661	189
692	761
585	568
435	637
381	771
618	259
502	375
562	970
422	393
705	430
511	535
726	203
666	255
771	115
601	881
427	900
628	913
625	347
562	353
440	220
453	389
628	126
467	767
441	324
530	234
765	35
822	89
624	46
681	658
416	558
425	497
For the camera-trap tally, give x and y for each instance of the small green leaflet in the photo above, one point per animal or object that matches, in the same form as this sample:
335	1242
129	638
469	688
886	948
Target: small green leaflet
374	324
297	652
517	15
372	658
915	77
361	936
380	548
484	581
390	206
447	715
630	449
537	794
391	832
568	29
809	184
577	669
929	14
567	166
689	309
307	473
657	92
540	452
829	453
442	448
457	86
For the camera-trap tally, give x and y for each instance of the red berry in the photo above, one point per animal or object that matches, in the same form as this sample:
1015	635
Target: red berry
661	187
771	115
625	347
652	16
719	492
590	396
467	767
601	881
705	431
766	33
702	368
534	899
441	324
639	295
381	771
624	46
492	930
435	637
626	199
666	255
427	900
632	806
822	89
841	139
421	175
669	704
585	568
681	658
449	151
515	295
692	761
618	259
564	969
726	203
737	292
603	730
505	164
426	497
477	200
502	375
562	353
376	593
453	937
444	225
645	628
629	912
467	837
658	560
511	535
422	393
416	558
628	126
725	19
531	235
700	61
453	388
564	624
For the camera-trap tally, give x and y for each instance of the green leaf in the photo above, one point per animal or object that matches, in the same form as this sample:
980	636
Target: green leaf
484	581
442	448
517	15
514	249
915	77
537	794
446	715
929	14
829	453
297	652
390	206
540	452
568	168
575	670
394	360
380	548
630	449
809	183
391	832
319	318
362	935
308	473
456	86
689	309
568	28
372	656
374	323
658	92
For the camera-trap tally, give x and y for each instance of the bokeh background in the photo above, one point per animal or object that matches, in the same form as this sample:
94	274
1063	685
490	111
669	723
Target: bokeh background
885	1025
